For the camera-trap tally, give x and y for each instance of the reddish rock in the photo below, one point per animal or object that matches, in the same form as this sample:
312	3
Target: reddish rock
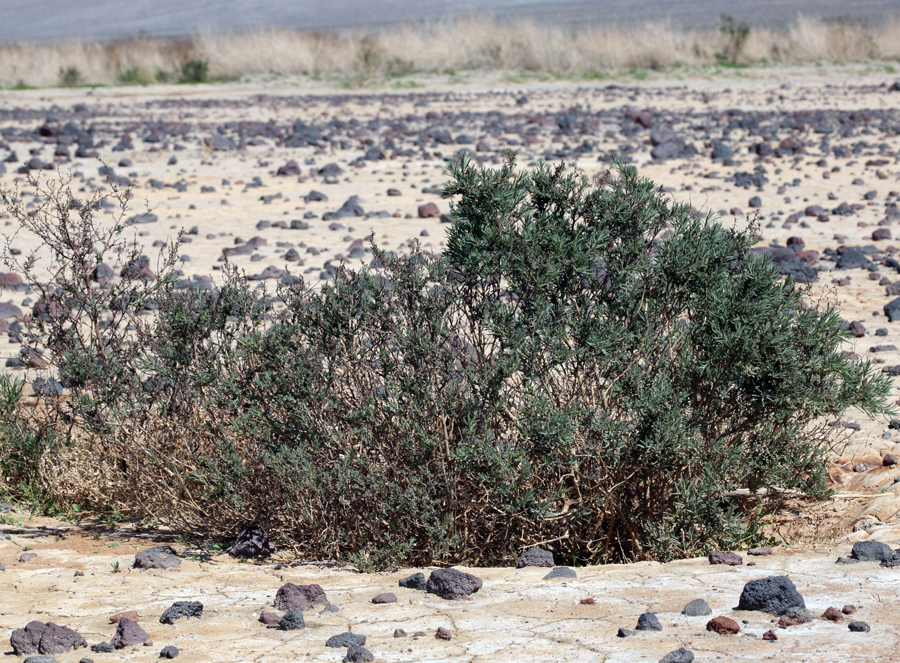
385	597
10	280
588	601
129	614
723	626
889	459
299	597
399	633
129	633
443	634
428	211
881	234
270	619
849	609
730	559
759	552
832	614
36	361
769	635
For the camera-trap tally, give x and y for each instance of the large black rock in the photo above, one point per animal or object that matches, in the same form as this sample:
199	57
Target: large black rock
775	595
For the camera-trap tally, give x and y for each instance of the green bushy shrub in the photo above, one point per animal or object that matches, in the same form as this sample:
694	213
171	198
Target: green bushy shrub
195	71
589	366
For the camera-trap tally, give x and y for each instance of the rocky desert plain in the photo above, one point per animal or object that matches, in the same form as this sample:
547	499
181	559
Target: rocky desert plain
291	179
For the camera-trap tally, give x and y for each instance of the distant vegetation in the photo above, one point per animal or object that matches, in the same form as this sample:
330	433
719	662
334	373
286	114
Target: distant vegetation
463	45
590	366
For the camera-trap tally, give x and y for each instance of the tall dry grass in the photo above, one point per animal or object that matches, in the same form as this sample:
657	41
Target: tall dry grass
464	44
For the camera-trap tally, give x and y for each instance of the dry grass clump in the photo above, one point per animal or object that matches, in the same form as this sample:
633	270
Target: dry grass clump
459	44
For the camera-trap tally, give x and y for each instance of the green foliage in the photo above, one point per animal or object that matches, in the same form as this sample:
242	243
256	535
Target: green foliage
195	71
588	364
135	76
70	77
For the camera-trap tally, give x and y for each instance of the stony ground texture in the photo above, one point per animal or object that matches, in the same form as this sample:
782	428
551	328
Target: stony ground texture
206	159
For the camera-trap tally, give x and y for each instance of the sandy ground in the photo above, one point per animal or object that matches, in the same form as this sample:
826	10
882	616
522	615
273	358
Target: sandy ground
510	619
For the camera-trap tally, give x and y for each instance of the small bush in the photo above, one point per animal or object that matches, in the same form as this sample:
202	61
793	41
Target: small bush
134	76
590	366
735	35
70	77
195	71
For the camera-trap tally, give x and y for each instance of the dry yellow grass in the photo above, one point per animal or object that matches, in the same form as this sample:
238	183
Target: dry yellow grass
466	44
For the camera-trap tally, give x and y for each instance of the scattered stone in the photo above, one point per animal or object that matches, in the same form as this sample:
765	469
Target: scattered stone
429	210
292	620
415	581
535	557
859	627
299	597
170	651
758	552
157	557
889	460
181	609
253	542
770	636
561	572
269	618
697	608
680	655
648	622
723	626
385	597
849	609
346	639
357	654
443	634
588	601
832	614
625	632
40	659
129	633
775	595
27	557
731	559
871	551
452	584
793	617
103	648
399	633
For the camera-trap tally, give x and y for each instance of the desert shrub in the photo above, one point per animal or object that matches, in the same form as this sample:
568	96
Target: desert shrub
589	366
134	76
195	71
70	77
735	36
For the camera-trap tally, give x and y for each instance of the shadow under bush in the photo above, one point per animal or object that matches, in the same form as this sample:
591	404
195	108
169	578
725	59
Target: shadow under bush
590	368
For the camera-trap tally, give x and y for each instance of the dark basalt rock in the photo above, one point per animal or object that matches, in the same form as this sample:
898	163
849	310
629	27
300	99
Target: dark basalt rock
561	572
299	597
452	584
648	622
292	620
129	633
157	557
535	557
415	581
871	551
253	540
346	640
181	609
697	608
775	595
